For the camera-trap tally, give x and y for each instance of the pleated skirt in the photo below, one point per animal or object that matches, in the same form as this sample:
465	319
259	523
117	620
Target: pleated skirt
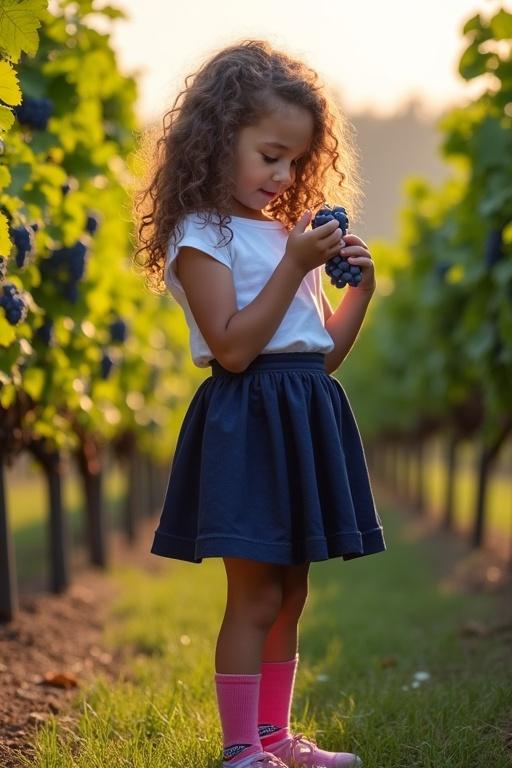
269	466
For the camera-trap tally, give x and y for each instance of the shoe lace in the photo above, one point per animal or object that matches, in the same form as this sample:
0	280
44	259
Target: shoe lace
300	746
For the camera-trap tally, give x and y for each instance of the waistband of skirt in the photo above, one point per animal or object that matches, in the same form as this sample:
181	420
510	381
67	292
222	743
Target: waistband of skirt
277	361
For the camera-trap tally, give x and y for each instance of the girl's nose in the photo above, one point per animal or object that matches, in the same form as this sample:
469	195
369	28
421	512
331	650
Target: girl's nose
283	174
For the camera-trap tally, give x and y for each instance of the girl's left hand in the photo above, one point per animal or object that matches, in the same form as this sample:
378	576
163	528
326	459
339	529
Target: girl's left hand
357	254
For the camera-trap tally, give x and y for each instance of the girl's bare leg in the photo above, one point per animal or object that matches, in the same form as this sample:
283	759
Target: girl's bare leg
254	600
281	642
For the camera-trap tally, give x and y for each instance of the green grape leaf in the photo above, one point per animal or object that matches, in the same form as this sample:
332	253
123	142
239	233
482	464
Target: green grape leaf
10	92
491	142
18	26
6	118
481	341
5	242
33	380
113	13
21	173
5	176
85	6
495	200
501	25
480	30
473	63
472	24
7	336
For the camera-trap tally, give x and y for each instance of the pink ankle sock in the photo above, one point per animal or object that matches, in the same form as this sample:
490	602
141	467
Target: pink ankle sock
276	691
237	697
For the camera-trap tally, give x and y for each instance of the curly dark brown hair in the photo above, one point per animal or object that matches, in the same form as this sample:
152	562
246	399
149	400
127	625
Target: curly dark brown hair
192	166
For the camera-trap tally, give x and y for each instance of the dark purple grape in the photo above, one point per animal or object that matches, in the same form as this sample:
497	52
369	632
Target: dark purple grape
23	240
70	292
45	331
118	330
106	365
92	224
77	254
13	303
494	247
34	112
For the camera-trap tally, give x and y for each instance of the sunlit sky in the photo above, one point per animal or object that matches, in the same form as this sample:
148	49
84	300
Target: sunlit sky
376	54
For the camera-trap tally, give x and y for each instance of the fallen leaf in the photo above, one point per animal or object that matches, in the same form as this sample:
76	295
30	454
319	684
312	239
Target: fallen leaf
60	680
474	629
38	717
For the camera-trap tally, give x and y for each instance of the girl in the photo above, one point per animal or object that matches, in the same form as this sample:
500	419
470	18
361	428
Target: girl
269	472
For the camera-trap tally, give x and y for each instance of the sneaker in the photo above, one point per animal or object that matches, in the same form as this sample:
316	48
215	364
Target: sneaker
260	760
298	752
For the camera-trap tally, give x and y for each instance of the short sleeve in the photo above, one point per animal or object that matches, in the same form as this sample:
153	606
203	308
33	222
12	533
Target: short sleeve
196	234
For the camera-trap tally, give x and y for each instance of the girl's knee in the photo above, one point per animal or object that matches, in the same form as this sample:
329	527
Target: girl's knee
266	605
255	590
295	592
294	600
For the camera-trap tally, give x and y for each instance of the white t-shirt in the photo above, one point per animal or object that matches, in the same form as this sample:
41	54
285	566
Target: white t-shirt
253	254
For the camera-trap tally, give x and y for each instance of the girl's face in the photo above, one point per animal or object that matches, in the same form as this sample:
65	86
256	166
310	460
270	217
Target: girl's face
265	158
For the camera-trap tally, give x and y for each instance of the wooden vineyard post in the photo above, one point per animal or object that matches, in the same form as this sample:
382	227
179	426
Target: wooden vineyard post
8	584
50	461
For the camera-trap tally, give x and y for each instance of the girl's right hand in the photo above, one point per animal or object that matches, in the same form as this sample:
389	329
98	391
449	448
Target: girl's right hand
311	249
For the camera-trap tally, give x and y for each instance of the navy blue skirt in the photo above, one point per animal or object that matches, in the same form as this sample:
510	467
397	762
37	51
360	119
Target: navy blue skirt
269	466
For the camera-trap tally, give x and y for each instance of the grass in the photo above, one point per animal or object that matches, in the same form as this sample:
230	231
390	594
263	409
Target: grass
27	510
369	626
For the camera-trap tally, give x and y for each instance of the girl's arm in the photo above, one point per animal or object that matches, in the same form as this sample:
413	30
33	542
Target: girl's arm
235	336
344	324
327	308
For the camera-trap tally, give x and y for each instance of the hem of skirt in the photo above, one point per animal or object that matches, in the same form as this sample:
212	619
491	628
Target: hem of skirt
345	545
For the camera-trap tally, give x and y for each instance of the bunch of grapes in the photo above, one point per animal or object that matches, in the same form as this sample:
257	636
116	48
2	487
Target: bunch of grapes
23	239
118	330
45	331
34	112
67	265
13	303
339	270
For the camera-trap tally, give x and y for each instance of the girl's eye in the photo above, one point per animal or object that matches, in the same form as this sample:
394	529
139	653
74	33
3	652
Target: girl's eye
268	159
